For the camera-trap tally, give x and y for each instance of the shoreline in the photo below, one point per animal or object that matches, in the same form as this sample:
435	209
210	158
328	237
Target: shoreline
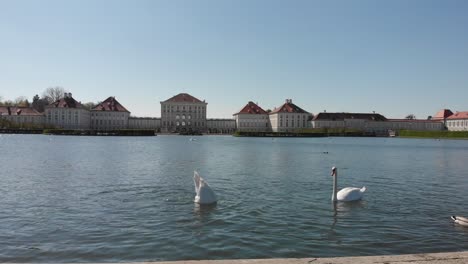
426	258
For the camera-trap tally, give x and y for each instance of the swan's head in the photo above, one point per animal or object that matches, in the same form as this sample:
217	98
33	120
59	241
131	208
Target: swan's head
334	171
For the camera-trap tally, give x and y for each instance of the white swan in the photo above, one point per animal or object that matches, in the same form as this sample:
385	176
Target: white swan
204	193
460	220
346	194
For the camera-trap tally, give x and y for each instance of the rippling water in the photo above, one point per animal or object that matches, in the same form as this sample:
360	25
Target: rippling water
89	199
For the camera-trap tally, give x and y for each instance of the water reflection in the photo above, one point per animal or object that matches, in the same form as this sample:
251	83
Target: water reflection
202	212
341	209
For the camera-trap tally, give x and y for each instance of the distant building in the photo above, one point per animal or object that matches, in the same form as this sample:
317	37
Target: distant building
458	121
67	113
221	126
405	124
183	113
144	123
289	118
442	116
373	122
22	115
109	115
345	120
252	118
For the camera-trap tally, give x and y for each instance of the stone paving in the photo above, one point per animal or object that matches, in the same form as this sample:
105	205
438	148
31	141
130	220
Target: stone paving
429	258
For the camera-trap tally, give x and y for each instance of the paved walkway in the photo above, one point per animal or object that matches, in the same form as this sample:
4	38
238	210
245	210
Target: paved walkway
430	258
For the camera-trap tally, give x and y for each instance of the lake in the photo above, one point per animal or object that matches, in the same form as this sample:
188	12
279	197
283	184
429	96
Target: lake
104	199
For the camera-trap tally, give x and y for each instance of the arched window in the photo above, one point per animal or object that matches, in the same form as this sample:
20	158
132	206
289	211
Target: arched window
177	116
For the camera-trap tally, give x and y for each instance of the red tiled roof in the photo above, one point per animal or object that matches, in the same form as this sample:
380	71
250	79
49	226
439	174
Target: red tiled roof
459	115
110	104
289	107
183	98
11	110
252	108
343	116
66	102
442	114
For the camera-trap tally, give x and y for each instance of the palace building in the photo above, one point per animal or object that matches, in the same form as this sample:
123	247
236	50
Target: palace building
109	115
67	113
183	113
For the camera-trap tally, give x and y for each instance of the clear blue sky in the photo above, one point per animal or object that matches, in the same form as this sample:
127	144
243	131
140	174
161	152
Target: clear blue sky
393	57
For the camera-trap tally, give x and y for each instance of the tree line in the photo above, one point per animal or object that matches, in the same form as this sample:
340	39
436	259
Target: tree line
39	103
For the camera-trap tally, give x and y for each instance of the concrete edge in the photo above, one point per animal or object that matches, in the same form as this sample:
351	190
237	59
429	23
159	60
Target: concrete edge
426	258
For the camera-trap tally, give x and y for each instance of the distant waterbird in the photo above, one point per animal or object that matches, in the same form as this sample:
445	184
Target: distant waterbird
204	194
346	194
463	221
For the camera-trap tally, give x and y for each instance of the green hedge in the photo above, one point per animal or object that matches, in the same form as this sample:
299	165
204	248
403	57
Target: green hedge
120	132
434	134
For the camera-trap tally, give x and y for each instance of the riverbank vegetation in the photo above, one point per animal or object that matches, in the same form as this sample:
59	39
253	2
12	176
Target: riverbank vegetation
433	134
309	132
86	132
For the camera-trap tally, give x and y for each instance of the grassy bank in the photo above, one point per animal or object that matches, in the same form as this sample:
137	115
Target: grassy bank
321	132
120	132
434	134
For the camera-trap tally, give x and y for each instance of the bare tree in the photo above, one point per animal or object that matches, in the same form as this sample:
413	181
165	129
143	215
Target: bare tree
8	103
53	94
410	116
21	101
89	105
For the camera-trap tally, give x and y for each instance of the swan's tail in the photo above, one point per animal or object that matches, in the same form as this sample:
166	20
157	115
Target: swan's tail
363	189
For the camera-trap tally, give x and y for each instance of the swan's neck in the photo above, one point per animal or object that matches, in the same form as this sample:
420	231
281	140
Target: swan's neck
335	187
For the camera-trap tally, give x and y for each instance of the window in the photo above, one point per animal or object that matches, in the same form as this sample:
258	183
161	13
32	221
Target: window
177	124
183	116
177	117
183	123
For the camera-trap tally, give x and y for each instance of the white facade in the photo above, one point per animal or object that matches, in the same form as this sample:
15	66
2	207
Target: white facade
289	122
458	122
375	123
109	120
224	126
289	118
67	113
183	113
252	122
68	118
22	116
144	123
404	124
